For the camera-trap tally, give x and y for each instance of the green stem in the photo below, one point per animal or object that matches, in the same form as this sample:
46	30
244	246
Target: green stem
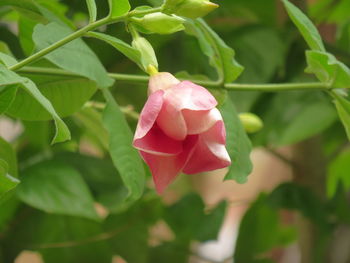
79	33
210	84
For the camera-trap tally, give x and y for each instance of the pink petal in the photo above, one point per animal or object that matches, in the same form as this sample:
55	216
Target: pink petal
210	152
200	121
149	114
156	142
184	96
164	169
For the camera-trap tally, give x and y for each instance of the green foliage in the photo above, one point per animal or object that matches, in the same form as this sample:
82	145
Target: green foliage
238	144
92	10
118	8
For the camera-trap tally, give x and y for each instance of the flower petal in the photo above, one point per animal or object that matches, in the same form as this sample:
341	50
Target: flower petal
200	121
164	169
161	81
149	114
210	152
184	96
156	142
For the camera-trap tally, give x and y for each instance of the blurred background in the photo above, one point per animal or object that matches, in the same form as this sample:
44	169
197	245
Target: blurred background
293	208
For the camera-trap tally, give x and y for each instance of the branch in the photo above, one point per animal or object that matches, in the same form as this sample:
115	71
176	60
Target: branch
207	83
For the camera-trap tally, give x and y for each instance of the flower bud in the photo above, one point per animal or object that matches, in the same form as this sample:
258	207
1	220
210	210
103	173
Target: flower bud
251	122
148	57
189	8
160	23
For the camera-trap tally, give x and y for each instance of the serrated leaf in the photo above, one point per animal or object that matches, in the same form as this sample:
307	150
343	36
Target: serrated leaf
57	188
75	56
92	10
328	69
305	26
67	96
130	52
8	77
118	7
125	158
220	55
238	144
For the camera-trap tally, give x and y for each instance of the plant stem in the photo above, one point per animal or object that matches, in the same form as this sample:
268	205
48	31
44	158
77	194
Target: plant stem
79	33
207	83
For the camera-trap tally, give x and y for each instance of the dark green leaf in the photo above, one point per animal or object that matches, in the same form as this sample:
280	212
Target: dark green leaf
220	55
7	182
125	158
338	173
118	8
9	156
305	26
75	56
56	188
238	144
7	97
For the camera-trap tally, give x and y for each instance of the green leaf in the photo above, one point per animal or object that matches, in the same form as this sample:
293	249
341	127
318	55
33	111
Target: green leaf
189	222
92	10
26	28
7	182
328	69
8	154
7	96
238	144
305	26
9	78
338	173
130	52
343	108
75	56
66	94
125	158
118	8
220	55
289	125
261	221
56	188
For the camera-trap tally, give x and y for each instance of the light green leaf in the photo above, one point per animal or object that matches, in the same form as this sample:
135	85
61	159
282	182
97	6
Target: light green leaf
125	158
305	26
67	95
118	8
8	77
92	10
75	56
7	182
328	69
343	108
56	188
8	154
238	144
130	52
220	55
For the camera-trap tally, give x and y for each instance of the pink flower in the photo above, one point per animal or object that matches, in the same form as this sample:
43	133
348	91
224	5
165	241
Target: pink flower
180	130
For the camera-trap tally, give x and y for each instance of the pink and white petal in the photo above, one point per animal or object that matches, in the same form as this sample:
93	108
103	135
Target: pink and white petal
165	169
200	121
187	95
156	142
171	121
210	152
149	114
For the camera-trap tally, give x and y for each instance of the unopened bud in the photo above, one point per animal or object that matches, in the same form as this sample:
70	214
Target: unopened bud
189	8
160	23
251	122
148	56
